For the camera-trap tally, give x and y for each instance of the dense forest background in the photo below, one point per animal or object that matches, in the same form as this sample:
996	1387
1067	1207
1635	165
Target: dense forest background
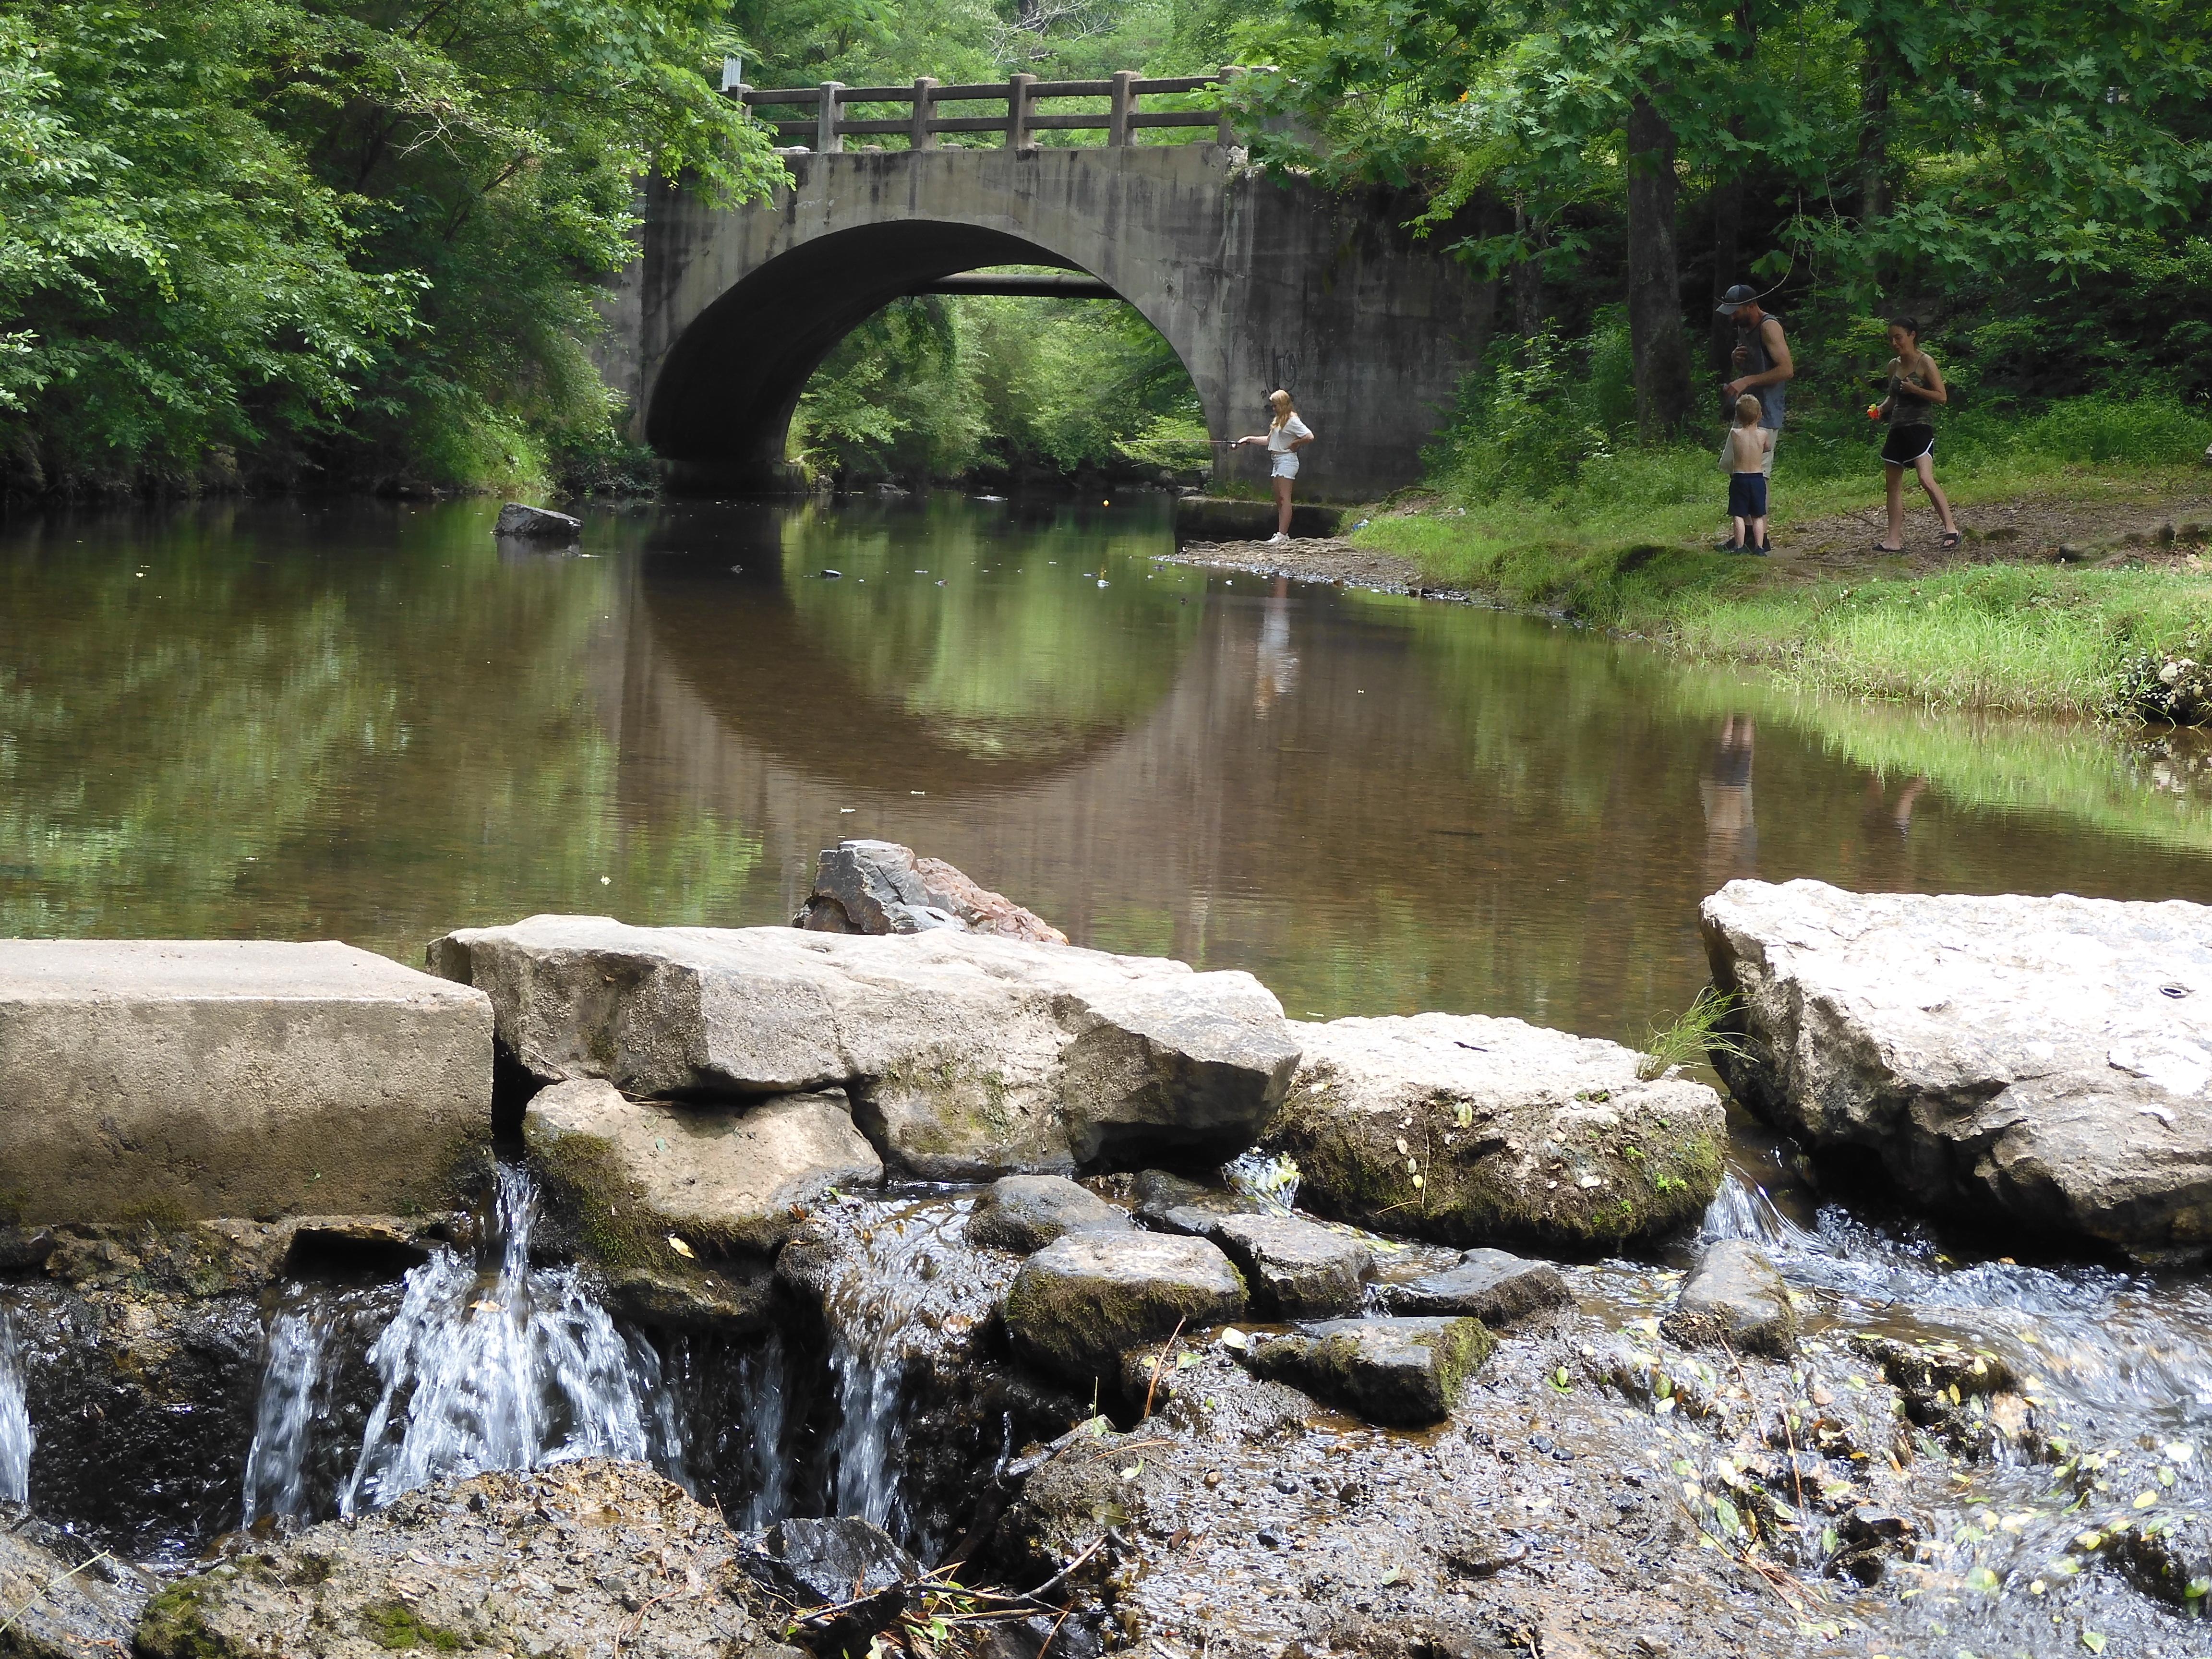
354	243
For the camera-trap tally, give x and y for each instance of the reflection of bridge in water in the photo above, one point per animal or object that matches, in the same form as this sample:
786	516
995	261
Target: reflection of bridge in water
1255	281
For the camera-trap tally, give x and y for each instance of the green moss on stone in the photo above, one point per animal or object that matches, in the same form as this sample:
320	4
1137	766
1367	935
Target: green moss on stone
174	1626
391	1625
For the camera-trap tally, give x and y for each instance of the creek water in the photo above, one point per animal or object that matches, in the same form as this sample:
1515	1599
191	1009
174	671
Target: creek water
372	721
16	1436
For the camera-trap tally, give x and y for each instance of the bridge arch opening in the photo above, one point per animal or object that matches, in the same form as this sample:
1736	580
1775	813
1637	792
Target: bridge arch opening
721	407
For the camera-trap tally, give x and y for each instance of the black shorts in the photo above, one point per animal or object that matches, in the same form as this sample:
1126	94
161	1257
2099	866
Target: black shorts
1907	444
1746	494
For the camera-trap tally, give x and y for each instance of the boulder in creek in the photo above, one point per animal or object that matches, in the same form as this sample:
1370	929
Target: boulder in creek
2044	1064
1491	1285
538	523
1401	1373
206	1077
1077	1304
618	1558
1297	1270
1735	1298
61	1598
881	887
724	1173
1024	1213
965	1056
1468	1130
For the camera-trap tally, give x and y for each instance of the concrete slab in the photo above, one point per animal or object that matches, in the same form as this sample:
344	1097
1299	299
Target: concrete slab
202	1077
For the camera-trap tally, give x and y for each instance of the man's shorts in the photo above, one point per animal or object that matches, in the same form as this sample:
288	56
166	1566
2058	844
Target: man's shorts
1746	494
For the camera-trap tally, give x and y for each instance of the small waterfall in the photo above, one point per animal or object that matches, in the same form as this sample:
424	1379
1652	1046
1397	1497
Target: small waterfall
882	1312
503	1366
764	1385
16	1437
293	1387
1740	1210
1271	1182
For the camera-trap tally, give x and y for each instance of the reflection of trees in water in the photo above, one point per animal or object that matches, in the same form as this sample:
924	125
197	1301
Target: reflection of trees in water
1030	660
370	747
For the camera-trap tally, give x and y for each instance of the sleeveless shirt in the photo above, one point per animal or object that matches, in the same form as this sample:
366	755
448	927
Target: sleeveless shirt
1758	361
1907	409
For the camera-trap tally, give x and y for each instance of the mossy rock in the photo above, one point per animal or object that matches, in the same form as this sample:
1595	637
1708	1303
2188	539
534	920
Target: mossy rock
1472	1131
1401	1373
1079	1302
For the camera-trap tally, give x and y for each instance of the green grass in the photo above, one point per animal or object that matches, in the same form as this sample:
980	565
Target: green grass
1626	545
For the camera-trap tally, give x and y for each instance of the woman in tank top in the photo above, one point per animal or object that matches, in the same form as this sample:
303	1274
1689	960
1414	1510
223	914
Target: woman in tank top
1285	435
1916	388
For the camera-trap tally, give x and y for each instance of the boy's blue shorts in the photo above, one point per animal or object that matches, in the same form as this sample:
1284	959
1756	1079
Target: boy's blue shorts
1746	494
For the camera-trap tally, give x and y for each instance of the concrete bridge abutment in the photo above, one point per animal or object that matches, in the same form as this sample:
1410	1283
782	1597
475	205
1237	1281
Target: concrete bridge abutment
1256	283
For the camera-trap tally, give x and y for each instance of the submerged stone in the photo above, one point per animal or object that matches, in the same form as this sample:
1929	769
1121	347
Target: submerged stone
2044	1062
620	1559
965	1056
1297	1270
1401	1373
881	887
1171	1203
201	1078
541	523
1024	1213
1077	1304
1735	1298
1491	1285
725	1172
1468	1130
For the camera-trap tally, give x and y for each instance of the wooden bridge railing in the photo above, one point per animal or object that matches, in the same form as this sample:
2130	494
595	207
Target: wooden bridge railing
827	126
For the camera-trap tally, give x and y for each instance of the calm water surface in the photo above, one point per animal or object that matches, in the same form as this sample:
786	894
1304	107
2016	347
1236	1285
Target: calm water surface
373	722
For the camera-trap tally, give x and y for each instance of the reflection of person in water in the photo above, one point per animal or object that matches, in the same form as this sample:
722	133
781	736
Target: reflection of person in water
1724	790
1277	668
1899	813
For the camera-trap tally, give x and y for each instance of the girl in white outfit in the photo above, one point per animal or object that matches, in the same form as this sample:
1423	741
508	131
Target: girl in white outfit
1285	435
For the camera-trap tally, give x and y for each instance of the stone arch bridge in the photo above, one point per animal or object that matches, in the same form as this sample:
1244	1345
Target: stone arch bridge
1254	281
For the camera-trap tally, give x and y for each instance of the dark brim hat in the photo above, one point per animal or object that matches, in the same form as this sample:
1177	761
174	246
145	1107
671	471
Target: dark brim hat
1735	299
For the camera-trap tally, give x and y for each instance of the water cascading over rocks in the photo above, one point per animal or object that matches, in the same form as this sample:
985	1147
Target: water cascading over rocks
16	1439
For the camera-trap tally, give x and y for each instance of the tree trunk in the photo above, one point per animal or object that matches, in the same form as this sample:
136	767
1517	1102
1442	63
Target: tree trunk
1528	277
1873	135
1655	280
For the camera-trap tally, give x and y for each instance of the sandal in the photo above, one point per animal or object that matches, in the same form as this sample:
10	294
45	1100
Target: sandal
1884	547
1950	539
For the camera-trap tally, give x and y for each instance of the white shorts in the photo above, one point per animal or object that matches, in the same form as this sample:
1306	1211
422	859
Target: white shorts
1284	463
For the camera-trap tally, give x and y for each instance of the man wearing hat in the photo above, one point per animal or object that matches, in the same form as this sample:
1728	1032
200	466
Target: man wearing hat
1762	359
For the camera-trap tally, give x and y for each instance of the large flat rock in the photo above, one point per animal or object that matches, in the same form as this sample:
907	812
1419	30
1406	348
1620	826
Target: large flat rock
230	1077
2041	1062
1468	1130
966	1056
728	1173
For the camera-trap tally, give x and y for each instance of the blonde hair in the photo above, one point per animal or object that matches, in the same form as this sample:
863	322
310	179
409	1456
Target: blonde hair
1746	410
1284	412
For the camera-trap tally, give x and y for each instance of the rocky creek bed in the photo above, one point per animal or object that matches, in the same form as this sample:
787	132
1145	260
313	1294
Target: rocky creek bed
1482	1340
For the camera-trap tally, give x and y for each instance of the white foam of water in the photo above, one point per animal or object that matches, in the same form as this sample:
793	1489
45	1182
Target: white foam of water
1742	1211
16	1437
506	1368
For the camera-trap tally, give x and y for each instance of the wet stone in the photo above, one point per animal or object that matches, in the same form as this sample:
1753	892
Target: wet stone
1173	1204
2169	1557
805	1564
1491	1285
1078	1304
1733	1297
539	523
1024	1213
60	1598
1402	1373
437	1571
1297	1270
1482	1551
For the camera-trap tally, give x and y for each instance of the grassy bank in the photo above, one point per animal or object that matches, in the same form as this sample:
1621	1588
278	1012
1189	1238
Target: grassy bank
1627	544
